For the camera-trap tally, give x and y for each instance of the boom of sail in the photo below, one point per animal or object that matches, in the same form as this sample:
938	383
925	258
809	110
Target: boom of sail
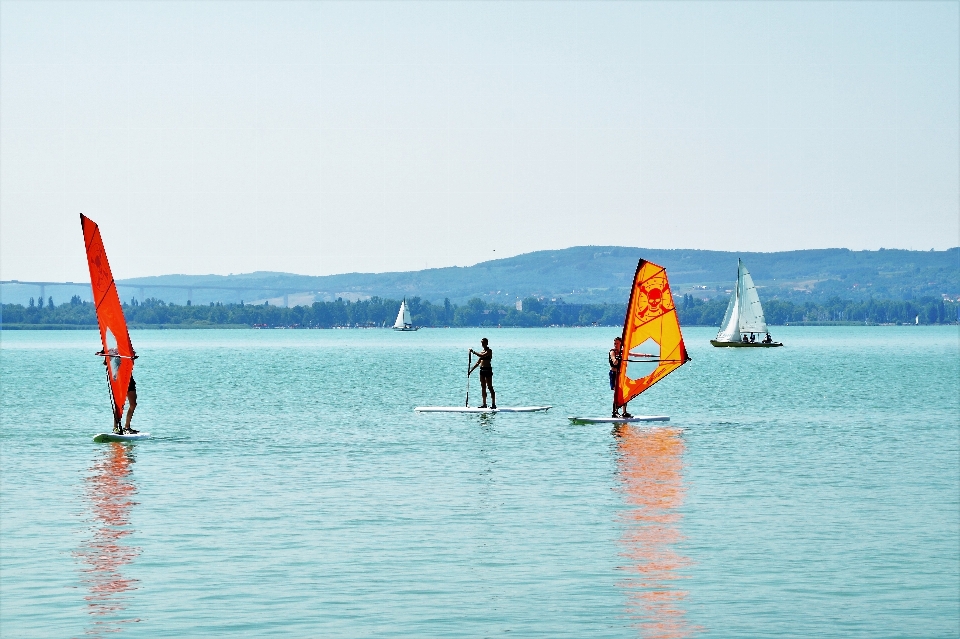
404	322
744	320
117	347
652	342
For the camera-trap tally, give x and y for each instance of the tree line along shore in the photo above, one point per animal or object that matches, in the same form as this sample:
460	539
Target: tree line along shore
377	312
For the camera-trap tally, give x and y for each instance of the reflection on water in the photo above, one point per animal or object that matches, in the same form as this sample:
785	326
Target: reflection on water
650	467
109	493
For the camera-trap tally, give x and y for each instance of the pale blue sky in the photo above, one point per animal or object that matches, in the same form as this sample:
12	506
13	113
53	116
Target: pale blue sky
318	138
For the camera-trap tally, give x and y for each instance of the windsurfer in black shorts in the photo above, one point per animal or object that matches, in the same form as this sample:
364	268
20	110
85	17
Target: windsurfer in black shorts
131	400
615	358
485	362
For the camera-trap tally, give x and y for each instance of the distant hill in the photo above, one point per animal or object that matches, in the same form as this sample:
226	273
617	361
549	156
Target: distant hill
583	274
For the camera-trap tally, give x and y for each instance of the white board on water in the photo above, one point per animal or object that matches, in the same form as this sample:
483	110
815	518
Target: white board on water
465	409
619	420
113	437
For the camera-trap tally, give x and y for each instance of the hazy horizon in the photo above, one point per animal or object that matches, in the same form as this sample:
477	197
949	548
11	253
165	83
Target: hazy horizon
329	138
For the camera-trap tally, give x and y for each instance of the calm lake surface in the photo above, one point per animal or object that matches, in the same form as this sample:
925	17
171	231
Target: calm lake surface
290	489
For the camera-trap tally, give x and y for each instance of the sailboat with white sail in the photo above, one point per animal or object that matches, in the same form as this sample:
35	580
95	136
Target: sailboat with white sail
744	323
404	321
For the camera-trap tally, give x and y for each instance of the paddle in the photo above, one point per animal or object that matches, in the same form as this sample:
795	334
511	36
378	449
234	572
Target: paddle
466	404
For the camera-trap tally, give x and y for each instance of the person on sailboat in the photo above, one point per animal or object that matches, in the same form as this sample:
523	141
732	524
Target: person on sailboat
615	358
485	362
131	401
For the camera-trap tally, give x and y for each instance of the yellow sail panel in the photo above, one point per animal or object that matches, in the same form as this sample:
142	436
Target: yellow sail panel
652	343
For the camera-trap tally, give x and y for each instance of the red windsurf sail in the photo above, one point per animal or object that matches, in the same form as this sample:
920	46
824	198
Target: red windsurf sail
117	348
652	343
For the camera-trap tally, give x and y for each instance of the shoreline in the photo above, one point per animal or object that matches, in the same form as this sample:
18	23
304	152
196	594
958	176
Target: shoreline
176	327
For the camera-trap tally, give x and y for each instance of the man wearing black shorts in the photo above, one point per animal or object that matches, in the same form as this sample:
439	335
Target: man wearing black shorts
131	400
485	362
615	358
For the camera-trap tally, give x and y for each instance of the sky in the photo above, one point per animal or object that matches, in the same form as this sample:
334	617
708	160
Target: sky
320	138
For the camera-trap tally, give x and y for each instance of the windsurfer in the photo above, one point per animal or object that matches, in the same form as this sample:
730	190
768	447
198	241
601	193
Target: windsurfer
132	406
131	401
485	362
615	358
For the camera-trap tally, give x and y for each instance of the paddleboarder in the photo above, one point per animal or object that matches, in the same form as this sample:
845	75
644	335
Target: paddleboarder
615	358
485	362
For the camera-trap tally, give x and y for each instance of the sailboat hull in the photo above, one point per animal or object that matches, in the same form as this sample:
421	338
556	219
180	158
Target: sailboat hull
407	328
745	344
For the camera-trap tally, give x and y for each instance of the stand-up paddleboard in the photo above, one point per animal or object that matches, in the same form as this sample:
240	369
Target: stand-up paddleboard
465	409
619	420
117	351
652	344
113	437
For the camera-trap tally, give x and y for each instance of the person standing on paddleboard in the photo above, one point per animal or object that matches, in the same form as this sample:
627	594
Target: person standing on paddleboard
615	358
485	362
131	400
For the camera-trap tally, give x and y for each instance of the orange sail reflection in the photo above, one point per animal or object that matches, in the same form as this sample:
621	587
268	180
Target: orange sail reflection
110	494
650	466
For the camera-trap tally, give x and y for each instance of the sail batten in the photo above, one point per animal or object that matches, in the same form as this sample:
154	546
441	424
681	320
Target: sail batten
114	336
652	342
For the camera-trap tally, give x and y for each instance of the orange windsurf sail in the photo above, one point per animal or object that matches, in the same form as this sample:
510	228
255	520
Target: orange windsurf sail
652	342
117	348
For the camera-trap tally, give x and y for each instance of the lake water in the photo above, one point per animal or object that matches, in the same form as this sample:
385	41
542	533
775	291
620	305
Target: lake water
290	489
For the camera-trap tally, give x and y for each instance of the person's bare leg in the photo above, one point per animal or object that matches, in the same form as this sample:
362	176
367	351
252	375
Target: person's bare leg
483	391
493	394
132	400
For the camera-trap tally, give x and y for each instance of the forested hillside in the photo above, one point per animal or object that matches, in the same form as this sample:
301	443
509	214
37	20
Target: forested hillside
379	312
583	274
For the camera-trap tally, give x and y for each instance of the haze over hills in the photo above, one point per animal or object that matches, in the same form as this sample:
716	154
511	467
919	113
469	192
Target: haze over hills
579	274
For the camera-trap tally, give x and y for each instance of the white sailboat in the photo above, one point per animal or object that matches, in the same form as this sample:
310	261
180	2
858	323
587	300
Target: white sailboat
743	323
404	322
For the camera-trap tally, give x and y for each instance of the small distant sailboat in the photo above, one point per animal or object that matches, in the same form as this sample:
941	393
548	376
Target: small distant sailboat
743	323
404	321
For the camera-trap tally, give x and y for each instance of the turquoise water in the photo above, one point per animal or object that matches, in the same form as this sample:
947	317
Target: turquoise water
290	490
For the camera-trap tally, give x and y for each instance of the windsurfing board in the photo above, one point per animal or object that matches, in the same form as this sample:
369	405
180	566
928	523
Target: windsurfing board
466	409
619	420
113	437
